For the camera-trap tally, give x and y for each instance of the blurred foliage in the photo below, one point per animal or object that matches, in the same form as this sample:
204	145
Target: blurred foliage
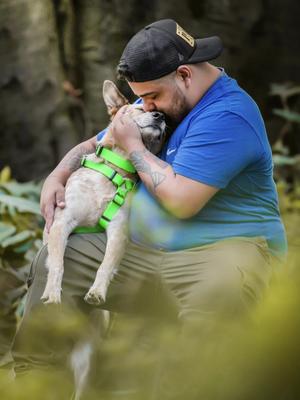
257	358
20	237
286	159
287	163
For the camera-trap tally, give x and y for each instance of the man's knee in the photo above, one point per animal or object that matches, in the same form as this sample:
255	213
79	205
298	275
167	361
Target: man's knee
230	290
243	275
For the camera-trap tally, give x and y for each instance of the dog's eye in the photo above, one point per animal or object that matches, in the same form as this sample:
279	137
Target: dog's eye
139	110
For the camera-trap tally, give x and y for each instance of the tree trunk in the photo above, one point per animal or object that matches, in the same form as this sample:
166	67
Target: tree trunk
36	115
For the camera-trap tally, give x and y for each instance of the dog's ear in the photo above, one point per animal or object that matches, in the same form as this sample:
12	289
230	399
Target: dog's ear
113	98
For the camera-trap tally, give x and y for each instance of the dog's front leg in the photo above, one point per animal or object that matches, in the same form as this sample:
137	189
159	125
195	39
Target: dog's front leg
115	248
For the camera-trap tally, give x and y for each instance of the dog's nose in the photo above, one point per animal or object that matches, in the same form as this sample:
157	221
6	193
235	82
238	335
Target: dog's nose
157	115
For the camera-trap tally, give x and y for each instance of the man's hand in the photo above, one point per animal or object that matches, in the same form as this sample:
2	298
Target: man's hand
52	196
125	131
53	191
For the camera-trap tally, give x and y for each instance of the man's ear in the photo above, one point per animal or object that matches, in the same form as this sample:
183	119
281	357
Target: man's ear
184	73
113	98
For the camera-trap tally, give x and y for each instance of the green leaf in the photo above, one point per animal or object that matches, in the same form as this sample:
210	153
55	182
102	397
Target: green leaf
12	211
23	205
284	90
283	160
6	231
24	247
21	189
16	239
2	208
288	115
278	147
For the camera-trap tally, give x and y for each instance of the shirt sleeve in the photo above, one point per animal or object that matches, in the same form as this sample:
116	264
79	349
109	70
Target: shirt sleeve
217	148
101	134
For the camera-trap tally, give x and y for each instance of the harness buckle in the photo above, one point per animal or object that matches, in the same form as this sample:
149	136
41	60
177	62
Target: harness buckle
118	199
114	173
82	161
99	149
130	184
104	221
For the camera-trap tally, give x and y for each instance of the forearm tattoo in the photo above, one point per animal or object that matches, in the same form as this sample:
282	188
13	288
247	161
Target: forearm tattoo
138	159
73	158
162	164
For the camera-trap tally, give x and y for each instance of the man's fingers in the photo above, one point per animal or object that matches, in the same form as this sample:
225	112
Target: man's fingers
60	198
122	110
121	114
52	196
123	120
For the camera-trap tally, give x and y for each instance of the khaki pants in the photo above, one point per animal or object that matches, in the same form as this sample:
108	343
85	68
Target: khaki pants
204	283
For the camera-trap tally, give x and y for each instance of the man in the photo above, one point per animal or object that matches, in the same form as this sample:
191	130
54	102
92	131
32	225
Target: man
204	224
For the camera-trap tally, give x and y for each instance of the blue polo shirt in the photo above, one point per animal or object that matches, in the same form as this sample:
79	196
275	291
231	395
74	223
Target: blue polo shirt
223	143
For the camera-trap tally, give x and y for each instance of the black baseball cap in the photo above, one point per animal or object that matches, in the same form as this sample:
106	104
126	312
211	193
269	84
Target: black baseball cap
160	48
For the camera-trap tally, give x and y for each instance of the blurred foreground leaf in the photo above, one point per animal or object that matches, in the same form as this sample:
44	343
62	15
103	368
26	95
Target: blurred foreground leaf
21	204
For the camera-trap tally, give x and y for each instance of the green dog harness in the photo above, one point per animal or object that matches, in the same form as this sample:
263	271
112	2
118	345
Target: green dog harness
123	185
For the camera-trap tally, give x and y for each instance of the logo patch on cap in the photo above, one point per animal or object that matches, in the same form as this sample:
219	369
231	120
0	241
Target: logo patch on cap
184	35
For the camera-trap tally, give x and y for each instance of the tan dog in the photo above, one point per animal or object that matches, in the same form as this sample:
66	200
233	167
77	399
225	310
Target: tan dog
87	195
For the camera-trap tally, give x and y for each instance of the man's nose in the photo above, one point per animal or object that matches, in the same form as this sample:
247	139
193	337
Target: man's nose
149	107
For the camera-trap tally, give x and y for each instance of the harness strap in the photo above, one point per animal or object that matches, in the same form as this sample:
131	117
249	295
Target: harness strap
105	170
115	204
115	159
123	185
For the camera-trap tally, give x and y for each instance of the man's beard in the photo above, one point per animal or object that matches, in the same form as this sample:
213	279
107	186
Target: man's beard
179	110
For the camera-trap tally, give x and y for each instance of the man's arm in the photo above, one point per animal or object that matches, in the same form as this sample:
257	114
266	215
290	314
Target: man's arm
53	191
181	196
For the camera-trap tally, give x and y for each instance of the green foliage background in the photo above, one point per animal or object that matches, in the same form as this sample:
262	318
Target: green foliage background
20	237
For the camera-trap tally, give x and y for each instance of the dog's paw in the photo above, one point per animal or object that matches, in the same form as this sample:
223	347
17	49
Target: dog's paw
53	297
94	297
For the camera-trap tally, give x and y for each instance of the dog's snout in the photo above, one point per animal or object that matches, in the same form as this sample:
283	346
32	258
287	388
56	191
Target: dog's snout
157	115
